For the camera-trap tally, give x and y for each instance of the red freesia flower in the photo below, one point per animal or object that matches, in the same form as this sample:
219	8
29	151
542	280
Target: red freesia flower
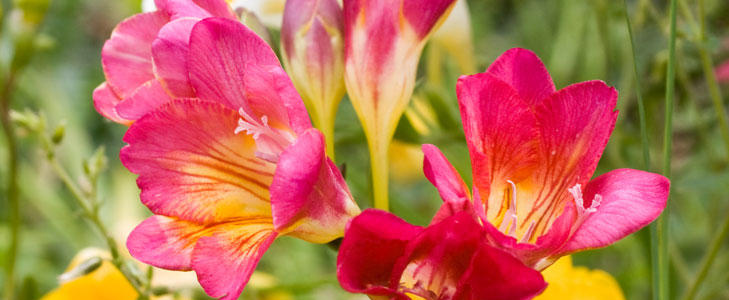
387	258
228	172
143	60
533	151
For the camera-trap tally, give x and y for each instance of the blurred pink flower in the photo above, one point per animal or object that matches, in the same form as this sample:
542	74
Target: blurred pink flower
385	257
143	60
533	151
228	172
722	72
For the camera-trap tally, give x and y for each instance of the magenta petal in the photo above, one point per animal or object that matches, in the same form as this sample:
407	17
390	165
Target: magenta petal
309	194
105	102
217	8
164	242
169	52
423	16
225	260
446	179
525	72
230	64
193	166
127	55
148	97
494	274
575	125
631	199
435	261
196	8
372	244
501	132
379	21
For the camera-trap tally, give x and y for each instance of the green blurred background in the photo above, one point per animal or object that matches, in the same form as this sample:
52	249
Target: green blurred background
577	39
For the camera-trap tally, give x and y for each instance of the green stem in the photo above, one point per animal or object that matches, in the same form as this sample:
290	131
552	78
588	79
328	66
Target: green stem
88	208
380	172
659	231
716	98
12	184
326	125
639	95
678	263
708	259
708	68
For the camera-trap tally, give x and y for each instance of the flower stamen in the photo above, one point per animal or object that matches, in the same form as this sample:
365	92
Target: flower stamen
582	211
270	142
510	219
528	235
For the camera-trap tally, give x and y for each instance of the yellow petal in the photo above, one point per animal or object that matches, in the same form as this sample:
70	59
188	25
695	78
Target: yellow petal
567	282
106	282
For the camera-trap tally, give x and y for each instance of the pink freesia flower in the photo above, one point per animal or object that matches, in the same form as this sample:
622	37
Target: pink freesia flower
227	173
141	59
383	40
533	151
387	258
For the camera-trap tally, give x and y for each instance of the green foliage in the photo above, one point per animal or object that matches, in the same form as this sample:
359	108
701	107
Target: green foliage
578	40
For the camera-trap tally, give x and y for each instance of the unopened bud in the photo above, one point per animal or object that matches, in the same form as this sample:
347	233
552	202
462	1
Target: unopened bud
86	267
27	119
95	164
312	43
160	290
58	133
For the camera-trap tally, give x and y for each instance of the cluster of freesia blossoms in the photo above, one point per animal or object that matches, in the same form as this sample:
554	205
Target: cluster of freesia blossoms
228	160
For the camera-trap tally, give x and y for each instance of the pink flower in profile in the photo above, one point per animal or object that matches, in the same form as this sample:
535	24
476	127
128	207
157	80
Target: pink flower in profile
387	258
312	48
228	172
383	40
533	151
142	58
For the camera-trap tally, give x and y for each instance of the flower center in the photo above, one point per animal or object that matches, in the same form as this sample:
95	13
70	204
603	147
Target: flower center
510	221
270	141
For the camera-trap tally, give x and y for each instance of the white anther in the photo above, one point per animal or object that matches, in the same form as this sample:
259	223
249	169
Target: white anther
528	235
510	219
576	192
270	142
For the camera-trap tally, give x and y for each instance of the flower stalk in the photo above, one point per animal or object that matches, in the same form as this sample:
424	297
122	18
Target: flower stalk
12	183
716	98
89	203
659	230
638	94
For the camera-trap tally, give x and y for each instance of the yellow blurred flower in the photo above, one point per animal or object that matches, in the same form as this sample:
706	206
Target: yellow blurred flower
406	159
106	282
406	162
454	36
567	282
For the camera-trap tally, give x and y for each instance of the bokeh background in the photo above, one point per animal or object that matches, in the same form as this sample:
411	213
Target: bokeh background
577	39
